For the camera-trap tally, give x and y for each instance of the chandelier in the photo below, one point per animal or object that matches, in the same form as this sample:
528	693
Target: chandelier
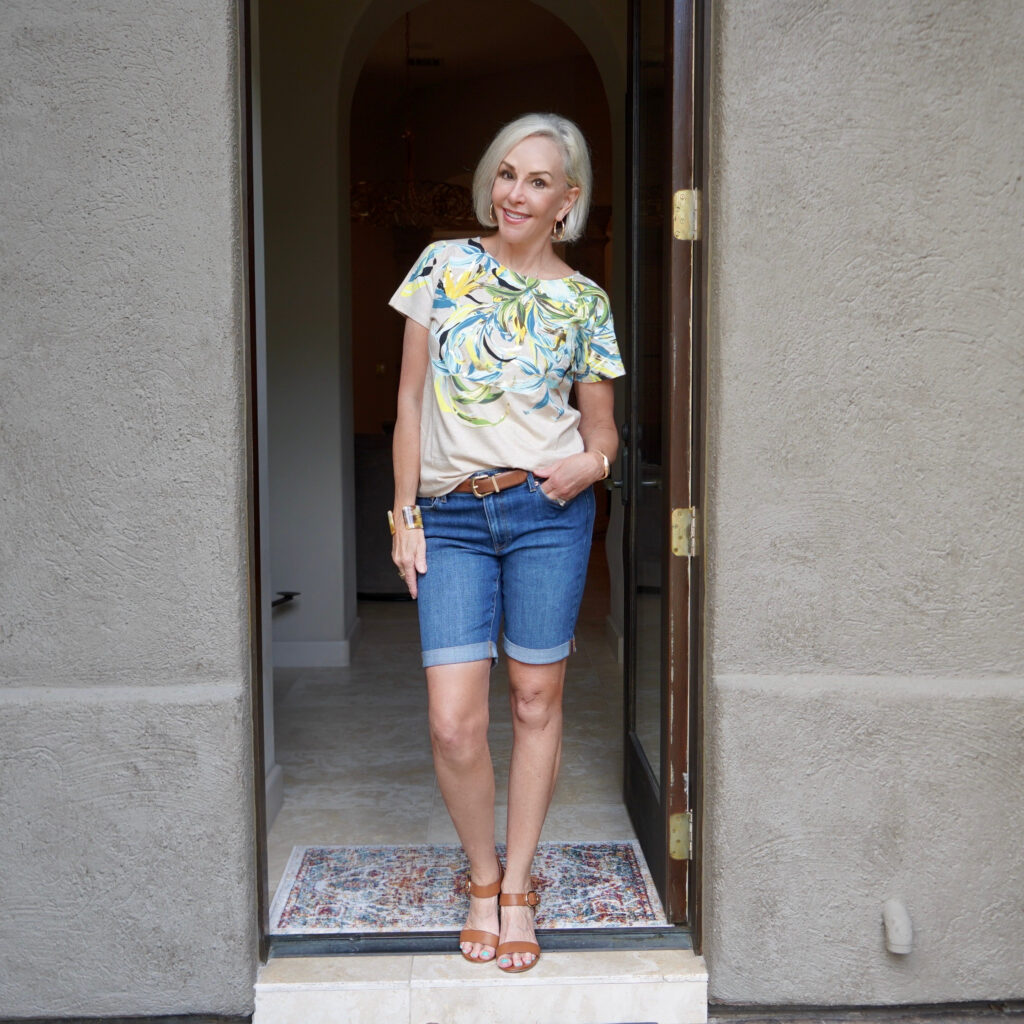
412	204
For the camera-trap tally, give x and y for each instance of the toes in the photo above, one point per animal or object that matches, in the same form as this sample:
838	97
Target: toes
516	960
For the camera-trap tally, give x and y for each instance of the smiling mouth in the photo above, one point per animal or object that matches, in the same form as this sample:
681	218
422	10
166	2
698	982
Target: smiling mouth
516	218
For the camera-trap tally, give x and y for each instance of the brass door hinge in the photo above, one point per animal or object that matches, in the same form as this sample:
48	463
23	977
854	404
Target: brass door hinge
684	532
686	214
680	836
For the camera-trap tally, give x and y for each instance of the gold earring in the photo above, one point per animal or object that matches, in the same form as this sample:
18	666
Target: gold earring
493	218
559	233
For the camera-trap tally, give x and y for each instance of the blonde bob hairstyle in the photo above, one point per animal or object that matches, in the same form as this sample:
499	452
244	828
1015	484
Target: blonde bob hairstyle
575	160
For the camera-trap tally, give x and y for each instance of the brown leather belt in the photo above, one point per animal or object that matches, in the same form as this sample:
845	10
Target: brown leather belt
483	484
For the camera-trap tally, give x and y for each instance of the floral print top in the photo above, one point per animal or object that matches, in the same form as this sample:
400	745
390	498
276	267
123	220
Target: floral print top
504	352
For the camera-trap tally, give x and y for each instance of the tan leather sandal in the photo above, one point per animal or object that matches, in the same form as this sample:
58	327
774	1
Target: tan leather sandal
481	892
517	899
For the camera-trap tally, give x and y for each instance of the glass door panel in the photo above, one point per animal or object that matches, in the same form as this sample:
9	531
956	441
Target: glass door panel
658	443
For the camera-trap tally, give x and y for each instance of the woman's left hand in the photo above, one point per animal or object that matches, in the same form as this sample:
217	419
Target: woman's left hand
565	479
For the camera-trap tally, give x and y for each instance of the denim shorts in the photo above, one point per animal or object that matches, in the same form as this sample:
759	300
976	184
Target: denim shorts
516	558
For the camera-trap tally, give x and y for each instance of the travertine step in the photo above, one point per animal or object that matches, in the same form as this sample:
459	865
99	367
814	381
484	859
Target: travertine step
621	987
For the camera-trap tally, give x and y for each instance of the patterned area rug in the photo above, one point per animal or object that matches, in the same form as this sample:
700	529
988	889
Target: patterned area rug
344	889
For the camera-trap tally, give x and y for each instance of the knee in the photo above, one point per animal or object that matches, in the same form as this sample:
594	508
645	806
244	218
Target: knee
457	737
536	708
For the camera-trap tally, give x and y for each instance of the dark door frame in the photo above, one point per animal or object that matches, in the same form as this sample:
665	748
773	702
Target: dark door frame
657	796
692	21
246	43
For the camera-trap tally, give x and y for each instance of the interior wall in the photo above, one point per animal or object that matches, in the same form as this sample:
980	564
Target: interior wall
125	721
273	772
308	397
312	53
865	500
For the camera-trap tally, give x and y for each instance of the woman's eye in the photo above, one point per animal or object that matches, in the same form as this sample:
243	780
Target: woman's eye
539	182
505	174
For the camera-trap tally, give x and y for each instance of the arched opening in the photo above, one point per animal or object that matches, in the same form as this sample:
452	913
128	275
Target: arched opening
426	103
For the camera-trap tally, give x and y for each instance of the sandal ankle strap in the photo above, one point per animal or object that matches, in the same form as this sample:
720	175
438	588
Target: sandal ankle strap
486	892
483	892
519	899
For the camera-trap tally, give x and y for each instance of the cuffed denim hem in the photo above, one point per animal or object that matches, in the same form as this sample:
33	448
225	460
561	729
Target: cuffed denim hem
529	656
458	655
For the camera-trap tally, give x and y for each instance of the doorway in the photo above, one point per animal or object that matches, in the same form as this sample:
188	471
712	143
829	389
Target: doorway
351	737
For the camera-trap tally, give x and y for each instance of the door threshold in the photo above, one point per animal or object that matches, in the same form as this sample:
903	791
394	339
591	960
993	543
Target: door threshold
666	985
565	939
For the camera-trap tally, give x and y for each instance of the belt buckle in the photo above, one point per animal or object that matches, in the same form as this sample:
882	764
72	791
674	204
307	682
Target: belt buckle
483	476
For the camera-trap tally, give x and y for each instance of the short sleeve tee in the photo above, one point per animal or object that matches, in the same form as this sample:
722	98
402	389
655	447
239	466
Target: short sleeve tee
505	351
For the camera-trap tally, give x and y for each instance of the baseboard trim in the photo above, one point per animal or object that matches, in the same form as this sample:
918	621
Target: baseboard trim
615	638
275	793
317	653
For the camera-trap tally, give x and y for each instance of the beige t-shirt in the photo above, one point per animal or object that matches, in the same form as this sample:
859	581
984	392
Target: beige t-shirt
504	353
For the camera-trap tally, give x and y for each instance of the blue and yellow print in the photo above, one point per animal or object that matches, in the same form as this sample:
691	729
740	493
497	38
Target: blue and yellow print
498	332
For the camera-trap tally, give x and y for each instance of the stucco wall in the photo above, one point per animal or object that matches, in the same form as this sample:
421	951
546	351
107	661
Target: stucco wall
865	497
125	760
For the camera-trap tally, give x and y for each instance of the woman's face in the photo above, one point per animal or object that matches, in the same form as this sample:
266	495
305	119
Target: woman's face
530	192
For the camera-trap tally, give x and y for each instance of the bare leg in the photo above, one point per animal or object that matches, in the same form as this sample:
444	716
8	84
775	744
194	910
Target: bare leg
462	759
536	698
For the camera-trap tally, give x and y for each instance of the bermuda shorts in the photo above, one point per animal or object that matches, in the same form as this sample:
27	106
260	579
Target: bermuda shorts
515	559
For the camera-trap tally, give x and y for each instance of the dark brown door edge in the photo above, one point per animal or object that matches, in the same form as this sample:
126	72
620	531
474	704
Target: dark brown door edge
247	43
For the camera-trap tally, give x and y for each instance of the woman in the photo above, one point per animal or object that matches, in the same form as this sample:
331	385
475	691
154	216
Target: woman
494	505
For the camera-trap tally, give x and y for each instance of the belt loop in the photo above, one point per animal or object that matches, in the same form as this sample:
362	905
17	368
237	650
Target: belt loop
531	481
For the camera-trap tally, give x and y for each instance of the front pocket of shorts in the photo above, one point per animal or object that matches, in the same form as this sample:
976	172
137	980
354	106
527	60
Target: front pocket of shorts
553	502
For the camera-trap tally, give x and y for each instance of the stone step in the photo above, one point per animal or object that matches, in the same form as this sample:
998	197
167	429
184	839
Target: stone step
620	987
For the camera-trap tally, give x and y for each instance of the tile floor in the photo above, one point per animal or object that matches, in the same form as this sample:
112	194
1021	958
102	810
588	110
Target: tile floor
355	752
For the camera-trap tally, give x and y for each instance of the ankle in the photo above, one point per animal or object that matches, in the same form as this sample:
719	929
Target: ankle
493	873
515	886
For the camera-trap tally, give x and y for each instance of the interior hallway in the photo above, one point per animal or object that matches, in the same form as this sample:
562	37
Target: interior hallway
355	750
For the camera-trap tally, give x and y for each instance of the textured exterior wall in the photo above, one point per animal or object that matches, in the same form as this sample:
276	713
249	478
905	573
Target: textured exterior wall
865	500
125	760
